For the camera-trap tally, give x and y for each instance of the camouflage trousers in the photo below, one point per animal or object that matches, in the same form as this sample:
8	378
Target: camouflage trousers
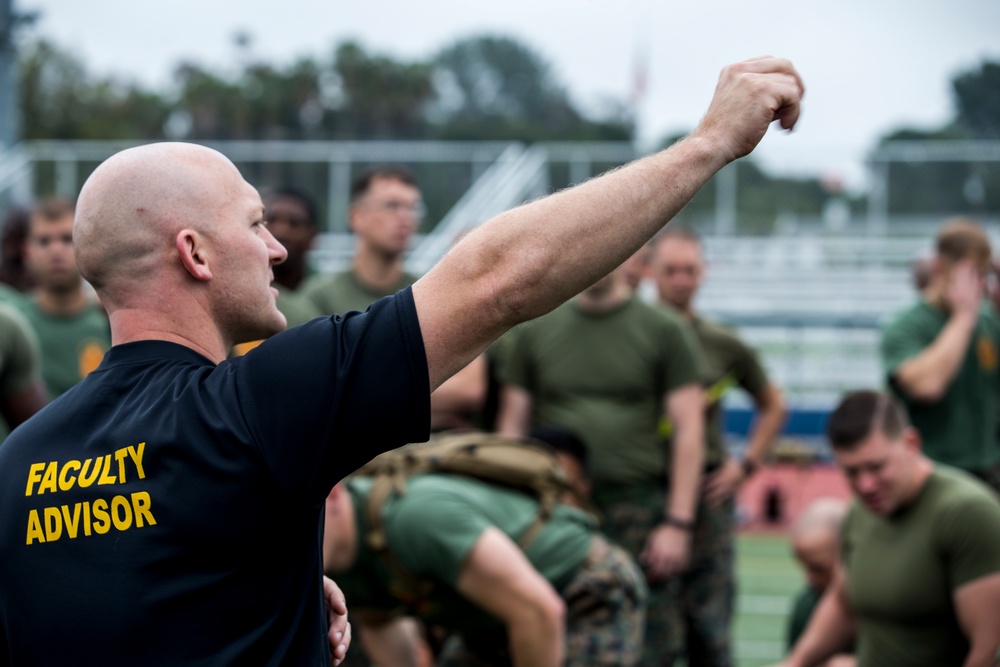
690	615
605	615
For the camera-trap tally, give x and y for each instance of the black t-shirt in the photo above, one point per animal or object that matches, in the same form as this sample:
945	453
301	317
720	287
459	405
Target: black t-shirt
167	510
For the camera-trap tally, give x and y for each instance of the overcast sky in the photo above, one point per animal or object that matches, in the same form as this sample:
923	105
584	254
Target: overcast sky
869	65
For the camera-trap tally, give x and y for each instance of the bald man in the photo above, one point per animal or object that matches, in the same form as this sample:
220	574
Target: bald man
168	509
815	541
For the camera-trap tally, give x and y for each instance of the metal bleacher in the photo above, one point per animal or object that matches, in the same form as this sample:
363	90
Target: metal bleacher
810	302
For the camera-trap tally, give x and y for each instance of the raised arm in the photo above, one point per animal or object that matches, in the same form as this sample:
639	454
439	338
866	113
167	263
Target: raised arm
527	261
926	376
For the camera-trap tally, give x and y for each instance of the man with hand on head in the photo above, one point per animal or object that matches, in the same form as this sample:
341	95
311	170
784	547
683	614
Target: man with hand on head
942	355
213	472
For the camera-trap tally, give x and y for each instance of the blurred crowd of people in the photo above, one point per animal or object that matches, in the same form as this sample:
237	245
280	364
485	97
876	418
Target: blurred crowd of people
630	395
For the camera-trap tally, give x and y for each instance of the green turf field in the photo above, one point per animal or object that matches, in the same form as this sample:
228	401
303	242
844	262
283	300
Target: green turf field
768	578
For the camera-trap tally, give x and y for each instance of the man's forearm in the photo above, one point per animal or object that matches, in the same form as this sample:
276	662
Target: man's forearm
770	419
569	240
394	644
927	375
536	641
527	261
685	470
831	630
981	656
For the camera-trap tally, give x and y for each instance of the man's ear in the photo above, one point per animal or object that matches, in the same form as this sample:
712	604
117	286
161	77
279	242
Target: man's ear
190	248
911	437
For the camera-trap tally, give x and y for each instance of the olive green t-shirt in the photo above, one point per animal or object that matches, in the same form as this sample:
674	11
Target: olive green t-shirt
71	346
295	306
960	428
730	364
903	570
803	607
605	376
431	529
343	292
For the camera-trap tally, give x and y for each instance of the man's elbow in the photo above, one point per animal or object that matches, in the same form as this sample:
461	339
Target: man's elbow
547	610
926	389
772	401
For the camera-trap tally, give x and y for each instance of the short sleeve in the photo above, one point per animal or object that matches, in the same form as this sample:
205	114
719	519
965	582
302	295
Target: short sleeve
433	534
322	399
515	359
683	358
971	539
19	351
900	342
752	377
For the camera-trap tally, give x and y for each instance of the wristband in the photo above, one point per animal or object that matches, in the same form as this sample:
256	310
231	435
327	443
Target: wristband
686	526
749	467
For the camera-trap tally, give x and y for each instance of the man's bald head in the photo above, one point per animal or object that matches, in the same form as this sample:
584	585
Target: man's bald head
175	243
135	202
816	539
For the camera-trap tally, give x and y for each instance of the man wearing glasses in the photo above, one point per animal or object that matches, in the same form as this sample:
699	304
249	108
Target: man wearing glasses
386	209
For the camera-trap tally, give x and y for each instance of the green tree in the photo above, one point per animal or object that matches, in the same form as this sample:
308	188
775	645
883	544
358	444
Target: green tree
977	101
383	98
496	88
60	99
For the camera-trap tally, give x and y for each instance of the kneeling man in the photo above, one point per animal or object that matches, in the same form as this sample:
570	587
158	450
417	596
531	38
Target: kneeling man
453	559
919	576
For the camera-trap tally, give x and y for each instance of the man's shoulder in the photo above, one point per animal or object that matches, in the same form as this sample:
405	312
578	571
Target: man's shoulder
918	314
956	490
662	316
718	334
325	281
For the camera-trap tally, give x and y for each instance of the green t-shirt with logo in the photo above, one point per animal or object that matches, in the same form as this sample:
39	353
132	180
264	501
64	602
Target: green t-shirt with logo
960	428
903	570
343	292
71	346
730	364
605	376
432	527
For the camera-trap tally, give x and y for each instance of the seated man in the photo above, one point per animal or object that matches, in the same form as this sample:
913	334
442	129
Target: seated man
453	560
815	542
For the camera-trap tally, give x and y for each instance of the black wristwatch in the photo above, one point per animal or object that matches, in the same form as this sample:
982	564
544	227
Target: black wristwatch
687	526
